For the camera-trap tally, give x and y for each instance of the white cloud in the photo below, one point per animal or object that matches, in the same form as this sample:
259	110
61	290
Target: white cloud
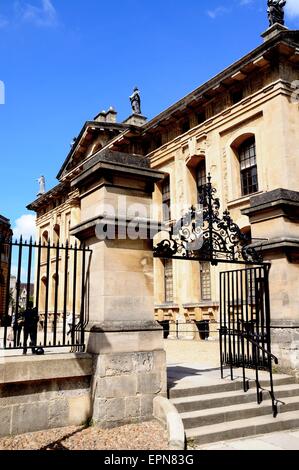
217	11
292	8
25	226
44	15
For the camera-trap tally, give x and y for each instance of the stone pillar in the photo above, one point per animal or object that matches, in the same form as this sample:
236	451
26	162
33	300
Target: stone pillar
274	217
126	342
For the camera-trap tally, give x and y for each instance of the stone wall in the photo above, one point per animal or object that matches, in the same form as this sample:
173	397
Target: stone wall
285	345
39	393
125	386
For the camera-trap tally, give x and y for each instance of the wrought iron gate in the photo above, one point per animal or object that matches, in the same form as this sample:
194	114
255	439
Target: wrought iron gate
205	236
245	337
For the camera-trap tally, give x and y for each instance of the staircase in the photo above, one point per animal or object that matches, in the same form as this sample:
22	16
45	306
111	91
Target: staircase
221	410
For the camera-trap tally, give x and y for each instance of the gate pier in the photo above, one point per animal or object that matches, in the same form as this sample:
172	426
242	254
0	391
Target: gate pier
277	212
126	343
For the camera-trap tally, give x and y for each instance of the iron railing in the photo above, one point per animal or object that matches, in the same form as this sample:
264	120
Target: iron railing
48	282
245	337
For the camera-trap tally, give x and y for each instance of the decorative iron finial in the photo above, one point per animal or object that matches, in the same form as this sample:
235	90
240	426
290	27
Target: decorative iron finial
276	11
204	235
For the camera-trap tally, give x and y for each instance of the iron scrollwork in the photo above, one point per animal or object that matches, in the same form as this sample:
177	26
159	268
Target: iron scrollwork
202	234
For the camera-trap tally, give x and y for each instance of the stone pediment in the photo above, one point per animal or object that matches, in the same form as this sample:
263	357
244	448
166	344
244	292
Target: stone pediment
92	138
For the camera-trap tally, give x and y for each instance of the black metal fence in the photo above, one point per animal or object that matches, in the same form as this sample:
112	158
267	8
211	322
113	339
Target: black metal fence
43	295
245	335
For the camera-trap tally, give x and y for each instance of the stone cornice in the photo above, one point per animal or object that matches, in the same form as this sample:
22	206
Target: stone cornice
62	189
288	40
123	326
105	166
285	246
279	202
119	226
224	121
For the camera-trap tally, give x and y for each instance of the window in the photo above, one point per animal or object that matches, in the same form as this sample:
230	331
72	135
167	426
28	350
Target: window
247	157
166	199
201	178
55	281
45	237
44	241
56	234
42	294
168	281
205	281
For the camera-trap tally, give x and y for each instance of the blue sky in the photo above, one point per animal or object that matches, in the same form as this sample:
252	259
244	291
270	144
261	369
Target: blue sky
63	61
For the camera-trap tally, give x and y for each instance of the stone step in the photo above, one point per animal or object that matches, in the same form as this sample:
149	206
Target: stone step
225	414
242	428
185	391
221	399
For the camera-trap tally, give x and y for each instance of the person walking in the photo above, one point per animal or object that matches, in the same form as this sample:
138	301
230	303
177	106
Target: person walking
31	319
17	324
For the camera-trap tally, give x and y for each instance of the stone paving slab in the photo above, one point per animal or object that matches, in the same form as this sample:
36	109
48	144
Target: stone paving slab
286	440
184	375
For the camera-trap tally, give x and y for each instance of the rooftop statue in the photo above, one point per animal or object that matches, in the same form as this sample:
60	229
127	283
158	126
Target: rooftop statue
276	11
42	185
136	101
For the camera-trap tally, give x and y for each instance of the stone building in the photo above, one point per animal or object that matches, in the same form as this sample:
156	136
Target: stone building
5	234
23	294
242	128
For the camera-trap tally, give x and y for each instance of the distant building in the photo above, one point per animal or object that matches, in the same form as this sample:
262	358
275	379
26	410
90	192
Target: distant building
5	234
22	294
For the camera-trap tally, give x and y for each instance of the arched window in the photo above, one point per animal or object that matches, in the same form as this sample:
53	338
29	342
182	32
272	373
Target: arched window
56	233
55	282
45	237
42	294
248	167
44	241
201	178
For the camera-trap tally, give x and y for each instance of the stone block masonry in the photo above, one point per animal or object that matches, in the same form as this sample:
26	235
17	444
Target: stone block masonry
125	385
44	392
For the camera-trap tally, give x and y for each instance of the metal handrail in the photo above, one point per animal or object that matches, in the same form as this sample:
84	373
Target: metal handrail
247	336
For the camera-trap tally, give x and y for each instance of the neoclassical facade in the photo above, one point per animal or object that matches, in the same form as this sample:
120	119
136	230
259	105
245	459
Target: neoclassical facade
242	128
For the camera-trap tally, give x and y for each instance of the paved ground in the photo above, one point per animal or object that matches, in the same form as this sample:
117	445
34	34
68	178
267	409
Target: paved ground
286	440
192	363
205	353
